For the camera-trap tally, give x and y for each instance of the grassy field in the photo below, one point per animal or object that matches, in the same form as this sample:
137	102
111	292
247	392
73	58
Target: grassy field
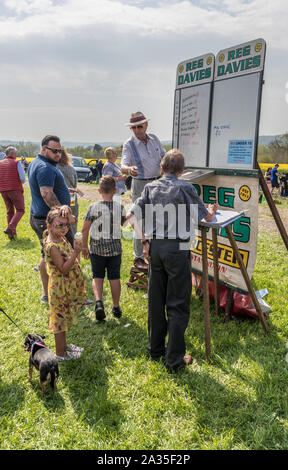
113	397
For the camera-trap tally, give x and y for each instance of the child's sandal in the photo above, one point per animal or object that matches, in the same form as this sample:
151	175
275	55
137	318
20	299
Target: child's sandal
73	348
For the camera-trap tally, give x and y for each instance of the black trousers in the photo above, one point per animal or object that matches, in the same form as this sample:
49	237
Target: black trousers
169	294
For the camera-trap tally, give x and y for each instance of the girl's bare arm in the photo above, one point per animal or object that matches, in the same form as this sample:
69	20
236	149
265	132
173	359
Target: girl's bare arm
64	266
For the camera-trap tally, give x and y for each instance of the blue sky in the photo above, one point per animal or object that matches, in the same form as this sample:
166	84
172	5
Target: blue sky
78	68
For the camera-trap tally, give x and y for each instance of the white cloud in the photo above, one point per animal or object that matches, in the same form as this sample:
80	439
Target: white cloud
224	18
69	65
28	6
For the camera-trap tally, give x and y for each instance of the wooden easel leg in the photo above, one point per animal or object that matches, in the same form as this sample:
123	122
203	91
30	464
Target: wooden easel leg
205	289
229	304
273	208
246	277
216	271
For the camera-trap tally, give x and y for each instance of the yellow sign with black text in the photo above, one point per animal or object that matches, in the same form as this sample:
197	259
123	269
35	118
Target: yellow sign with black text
230	192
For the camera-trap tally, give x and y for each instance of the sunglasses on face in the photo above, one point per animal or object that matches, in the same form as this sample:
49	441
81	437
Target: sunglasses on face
61	225
137	127
54	150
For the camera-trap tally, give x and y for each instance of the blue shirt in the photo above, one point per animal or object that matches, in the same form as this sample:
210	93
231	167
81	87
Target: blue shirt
273	174
170	208
41	172
21	172
112	169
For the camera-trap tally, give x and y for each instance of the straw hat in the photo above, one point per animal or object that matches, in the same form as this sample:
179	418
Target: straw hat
136	119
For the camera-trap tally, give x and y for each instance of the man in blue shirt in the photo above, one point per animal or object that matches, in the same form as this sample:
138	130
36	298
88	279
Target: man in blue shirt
274	178
48	189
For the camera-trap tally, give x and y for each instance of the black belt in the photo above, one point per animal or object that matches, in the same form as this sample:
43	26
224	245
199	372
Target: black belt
40	217
173	239
147	179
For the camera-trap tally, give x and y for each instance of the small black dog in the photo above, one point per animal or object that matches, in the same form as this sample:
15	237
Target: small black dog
43	359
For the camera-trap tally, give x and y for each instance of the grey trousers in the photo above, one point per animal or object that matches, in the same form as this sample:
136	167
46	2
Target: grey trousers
136	191
169	293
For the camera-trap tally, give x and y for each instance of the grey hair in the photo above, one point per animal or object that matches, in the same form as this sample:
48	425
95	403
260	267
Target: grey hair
9	150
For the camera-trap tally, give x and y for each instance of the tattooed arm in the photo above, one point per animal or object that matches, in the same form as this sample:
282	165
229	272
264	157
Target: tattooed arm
49	196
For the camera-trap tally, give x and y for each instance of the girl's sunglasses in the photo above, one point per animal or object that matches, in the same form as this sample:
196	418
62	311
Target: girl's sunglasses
61	225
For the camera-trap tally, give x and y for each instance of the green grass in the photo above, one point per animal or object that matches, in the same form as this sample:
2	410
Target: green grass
114	397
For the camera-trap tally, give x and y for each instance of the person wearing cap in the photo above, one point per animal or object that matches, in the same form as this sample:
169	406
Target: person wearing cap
274	178
141	157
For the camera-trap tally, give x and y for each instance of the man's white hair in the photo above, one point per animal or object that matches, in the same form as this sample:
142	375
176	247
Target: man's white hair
10	150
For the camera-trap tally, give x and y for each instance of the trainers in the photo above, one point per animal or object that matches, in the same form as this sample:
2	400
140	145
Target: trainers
89	302
44	299
73	348
70	356
99	310
117	312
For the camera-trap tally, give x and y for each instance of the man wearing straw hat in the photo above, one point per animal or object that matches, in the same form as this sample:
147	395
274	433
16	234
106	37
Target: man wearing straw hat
141	157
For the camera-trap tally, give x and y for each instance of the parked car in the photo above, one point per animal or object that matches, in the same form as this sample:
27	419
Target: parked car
82	169
96	166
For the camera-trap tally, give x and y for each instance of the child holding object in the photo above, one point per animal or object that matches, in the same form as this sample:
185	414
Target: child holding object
103	220
66	288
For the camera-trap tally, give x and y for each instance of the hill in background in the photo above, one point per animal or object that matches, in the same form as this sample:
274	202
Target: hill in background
263	140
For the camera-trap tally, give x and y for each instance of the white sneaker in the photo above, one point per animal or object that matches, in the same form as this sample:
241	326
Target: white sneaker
70	356
73	348
44	299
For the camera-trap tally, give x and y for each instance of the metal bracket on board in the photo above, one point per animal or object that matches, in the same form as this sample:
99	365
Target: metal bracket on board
196	175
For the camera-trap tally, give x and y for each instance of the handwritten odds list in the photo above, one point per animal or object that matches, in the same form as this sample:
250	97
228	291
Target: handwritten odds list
189	123
191	117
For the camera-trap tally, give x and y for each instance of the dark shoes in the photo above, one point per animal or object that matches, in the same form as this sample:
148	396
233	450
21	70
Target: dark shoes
140	263
10	234
186	361
117	312
100	313
99	310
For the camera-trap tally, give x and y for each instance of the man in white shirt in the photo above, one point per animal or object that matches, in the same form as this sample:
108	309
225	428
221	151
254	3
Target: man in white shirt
141	157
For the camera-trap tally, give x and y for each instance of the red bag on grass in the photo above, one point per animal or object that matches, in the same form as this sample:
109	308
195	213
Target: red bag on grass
242	304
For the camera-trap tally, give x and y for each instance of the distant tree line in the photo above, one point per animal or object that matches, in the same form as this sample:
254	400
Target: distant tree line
91	151
27	149
279	149
276	151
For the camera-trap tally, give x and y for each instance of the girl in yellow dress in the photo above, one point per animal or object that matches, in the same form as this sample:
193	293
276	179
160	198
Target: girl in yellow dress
66	288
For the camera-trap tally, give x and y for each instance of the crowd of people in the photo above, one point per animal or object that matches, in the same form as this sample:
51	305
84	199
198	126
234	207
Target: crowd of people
54	217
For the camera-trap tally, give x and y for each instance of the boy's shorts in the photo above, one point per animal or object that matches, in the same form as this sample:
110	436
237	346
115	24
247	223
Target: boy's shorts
275	184
101	263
